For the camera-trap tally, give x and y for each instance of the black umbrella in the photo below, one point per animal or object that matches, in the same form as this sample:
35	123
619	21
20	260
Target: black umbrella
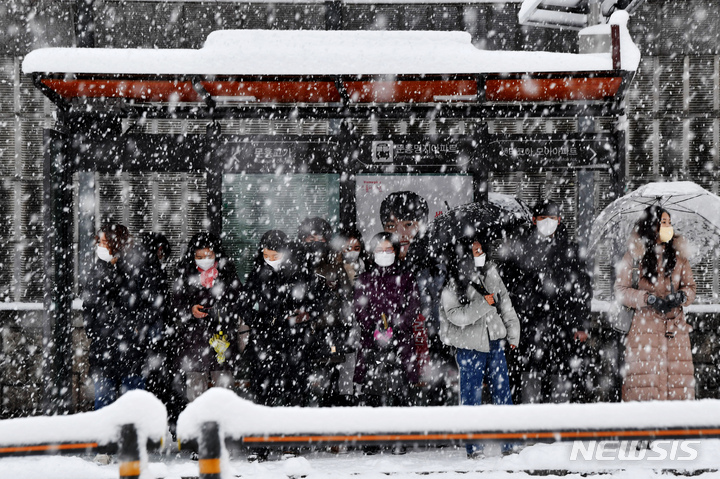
501	217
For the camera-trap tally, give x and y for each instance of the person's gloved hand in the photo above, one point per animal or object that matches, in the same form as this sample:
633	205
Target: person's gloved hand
675	300
658	304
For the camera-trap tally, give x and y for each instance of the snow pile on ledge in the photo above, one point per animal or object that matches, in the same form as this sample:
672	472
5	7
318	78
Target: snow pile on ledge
312	52
238	417
103	426
629	52
669	188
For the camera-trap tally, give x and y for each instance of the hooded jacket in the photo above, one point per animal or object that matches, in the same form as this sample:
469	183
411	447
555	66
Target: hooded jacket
657	367
474	325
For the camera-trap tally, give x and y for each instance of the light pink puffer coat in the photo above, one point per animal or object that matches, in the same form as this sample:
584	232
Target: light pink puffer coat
657	367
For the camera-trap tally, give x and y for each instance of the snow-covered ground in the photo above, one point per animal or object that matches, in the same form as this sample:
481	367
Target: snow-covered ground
550	460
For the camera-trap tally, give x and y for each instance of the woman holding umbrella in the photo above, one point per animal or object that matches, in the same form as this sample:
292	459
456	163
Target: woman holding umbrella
658	357
477	317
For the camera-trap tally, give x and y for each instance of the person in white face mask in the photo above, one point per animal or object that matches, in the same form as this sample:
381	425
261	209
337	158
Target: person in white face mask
268	285
658	355
113	367
551	293
207	294
478	320
354	255
386	305
546	219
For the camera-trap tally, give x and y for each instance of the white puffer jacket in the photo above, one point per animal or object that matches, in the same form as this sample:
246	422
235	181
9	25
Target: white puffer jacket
474	325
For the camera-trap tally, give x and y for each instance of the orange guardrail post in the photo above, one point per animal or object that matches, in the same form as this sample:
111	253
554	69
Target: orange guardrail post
129	452
209	449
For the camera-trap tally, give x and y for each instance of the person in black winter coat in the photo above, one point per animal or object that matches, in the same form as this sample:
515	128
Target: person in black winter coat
148	295
115	360
332	331
142	296
551	291
206	297
284	303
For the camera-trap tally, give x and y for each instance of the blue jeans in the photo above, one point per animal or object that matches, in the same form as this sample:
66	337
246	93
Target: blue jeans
474	367
106	389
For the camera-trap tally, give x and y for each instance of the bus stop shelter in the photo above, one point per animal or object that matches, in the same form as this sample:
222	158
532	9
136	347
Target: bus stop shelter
339	77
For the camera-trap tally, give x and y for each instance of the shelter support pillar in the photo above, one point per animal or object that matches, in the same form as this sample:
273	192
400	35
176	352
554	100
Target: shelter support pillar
585	207
620	165
213	172
345	164
479	164
585	193
85	23
334	14
58	265
619	178
86	223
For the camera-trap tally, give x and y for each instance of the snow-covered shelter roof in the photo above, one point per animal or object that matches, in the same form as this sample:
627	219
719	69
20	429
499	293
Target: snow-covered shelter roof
311	52
357	66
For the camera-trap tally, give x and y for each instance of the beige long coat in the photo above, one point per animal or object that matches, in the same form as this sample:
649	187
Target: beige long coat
657	367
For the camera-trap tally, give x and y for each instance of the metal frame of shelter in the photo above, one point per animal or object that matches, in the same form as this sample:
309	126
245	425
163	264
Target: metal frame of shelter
89	136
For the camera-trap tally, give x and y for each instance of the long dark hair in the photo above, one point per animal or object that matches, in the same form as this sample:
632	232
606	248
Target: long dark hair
462	265
648	230
376	240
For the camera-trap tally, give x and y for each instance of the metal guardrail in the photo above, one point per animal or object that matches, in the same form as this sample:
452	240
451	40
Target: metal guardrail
127	448
129	427
211	440
220	420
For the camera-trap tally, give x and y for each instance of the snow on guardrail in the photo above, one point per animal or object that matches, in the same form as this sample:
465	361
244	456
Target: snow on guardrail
219	415
241	419
23	306
136	407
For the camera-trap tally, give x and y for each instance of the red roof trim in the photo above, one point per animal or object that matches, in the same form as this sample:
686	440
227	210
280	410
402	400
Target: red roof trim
551	89
560	87
142	90
423	91
276	91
